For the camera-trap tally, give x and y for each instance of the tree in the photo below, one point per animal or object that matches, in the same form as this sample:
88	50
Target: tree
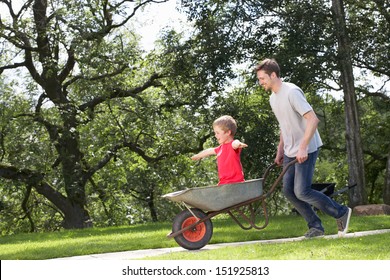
79	63
386	192
358	195
103	126
105	120
369	29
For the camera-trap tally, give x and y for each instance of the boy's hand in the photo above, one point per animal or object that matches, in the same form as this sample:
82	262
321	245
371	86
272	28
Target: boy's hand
204	153
196	157
238	144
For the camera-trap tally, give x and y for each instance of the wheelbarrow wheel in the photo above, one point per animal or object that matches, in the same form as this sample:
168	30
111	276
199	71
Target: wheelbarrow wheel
196	237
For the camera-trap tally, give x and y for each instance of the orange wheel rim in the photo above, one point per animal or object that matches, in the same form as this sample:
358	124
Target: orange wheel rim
195	234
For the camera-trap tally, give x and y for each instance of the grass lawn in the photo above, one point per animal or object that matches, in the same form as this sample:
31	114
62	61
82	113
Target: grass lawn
148	236
373	247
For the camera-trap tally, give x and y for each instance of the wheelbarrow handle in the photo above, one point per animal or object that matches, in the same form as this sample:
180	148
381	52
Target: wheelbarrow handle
280	177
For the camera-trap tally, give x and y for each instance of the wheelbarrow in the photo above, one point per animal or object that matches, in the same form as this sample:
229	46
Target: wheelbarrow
192	229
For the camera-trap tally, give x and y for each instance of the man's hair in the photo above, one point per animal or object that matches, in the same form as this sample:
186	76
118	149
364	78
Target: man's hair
268	65
226	123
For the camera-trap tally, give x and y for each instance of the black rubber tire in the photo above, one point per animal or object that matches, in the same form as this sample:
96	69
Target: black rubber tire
196	238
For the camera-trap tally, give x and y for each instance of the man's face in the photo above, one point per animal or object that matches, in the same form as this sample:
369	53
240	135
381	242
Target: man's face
265	80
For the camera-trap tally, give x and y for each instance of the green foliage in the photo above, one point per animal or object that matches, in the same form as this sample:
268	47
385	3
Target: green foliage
122	140
375	118
369	25
133	119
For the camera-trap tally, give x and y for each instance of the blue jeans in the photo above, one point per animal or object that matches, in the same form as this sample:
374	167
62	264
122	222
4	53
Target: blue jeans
297	188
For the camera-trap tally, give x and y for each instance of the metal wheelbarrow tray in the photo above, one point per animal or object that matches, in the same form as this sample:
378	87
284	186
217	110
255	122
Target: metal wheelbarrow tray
215	198
192	229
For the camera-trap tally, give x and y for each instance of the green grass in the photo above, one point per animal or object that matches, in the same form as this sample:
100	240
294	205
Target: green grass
373	247
114	239
82	242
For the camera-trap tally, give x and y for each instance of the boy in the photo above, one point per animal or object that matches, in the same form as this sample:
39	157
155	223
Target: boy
228	153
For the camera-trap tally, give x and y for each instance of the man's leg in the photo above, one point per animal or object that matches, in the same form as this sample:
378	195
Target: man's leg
303	191
292	177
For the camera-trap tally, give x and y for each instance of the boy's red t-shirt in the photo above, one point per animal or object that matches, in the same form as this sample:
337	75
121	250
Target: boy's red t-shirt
229	164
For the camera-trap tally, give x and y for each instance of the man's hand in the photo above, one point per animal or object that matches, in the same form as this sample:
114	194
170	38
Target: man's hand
302	155
279	159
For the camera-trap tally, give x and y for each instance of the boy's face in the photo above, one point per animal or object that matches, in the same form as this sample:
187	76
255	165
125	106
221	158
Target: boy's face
222	136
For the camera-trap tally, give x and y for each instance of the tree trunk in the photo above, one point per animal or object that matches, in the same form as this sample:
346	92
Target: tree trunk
152	208
74	213
357	195
386	190
76	217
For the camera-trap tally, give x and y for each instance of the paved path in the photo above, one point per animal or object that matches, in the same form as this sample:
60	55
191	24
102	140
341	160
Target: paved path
138	254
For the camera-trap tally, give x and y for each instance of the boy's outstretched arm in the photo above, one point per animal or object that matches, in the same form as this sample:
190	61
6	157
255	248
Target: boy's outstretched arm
238	144
203	154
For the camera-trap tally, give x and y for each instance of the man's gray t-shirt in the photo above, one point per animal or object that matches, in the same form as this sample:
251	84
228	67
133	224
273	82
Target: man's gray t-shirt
289	105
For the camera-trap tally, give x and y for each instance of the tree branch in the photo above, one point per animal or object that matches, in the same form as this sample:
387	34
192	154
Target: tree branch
107	21
25	208
12	66
137	7
362	64
113	152
69	65
379	94
36	180
96	78
23	175
119	93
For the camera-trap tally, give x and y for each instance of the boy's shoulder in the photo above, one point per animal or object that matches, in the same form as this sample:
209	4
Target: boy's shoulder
225	145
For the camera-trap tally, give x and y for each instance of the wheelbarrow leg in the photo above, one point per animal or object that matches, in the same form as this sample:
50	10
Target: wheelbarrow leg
251	220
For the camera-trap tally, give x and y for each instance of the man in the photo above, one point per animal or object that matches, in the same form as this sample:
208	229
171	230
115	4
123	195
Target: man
299	139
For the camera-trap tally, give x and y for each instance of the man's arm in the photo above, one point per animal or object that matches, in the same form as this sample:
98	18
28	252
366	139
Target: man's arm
280	151
311	126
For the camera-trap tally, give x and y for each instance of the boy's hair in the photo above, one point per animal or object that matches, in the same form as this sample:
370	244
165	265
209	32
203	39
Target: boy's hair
226	123
268	65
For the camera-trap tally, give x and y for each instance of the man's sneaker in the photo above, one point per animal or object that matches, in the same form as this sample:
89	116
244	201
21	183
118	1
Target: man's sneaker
343	223
314	232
